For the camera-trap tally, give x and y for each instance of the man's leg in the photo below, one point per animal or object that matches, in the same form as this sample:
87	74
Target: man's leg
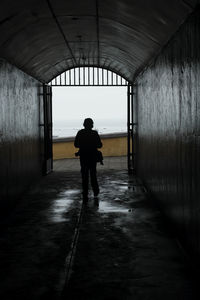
85	178
94	182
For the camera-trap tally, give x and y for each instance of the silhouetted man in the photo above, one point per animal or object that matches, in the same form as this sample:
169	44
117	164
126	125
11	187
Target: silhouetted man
88	140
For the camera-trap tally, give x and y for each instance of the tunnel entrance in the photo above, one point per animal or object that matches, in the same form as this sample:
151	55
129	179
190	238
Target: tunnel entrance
89	77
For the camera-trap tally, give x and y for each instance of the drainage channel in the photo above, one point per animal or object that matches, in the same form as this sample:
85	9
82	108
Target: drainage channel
71	255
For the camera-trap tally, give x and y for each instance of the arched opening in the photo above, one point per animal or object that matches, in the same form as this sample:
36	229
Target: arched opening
110	103
45	38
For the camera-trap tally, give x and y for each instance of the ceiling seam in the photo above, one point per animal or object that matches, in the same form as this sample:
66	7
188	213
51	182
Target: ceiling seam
187	4
151	59
61	30
97	28
113	20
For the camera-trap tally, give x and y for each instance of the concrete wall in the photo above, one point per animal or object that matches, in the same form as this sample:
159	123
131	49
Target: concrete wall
168	97
19	134
113	145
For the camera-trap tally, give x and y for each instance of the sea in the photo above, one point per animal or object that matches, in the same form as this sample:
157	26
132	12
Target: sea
69	128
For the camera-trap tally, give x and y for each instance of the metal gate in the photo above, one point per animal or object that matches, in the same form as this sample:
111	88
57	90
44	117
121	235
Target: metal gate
92	76
46	128
131	128
88	76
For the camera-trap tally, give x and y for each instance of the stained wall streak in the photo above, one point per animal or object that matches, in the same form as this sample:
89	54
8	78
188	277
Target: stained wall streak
19	134
168	97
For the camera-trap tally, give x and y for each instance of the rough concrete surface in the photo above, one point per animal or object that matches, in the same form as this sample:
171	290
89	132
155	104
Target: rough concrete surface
169	127
54	246
19	134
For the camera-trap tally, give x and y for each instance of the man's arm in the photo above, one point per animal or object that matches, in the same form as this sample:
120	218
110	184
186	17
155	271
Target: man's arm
99	143
77	140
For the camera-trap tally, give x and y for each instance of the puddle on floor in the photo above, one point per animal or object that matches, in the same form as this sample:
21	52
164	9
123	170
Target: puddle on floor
61	205
58	209
58	219
117	182
124	187
70	192
106	207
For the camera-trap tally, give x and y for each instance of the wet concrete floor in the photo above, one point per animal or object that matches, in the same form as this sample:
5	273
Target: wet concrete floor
118	246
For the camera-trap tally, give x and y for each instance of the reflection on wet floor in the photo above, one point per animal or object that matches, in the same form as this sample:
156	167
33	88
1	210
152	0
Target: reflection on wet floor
115	245
70	192
61	205
106	207
58	209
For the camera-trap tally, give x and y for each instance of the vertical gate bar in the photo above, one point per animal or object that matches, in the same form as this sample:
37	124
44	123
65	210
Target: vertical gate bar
83	75
107	78
65	78
121	80
93	75
128	127
47	111
56	81
45	128
102	76
132	128
74	77
50	127
79	76
135	118
88	75
97	76
112	78
70	79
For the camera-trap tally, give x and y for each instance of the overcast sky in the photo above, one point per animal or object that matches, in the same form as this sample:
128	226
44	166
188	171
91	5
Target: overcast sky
94	102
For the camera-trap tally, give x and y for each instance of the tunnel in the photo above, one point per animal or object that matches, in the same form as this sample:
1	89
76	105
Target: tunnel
154	46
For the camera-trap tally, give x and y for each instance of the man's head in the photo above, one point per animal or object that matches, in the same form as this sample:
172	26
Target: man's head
88	123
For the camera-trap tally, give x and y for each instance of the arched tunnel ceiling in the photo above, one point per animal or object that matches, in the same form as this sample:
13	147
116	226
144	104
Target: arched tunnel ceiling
46	37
